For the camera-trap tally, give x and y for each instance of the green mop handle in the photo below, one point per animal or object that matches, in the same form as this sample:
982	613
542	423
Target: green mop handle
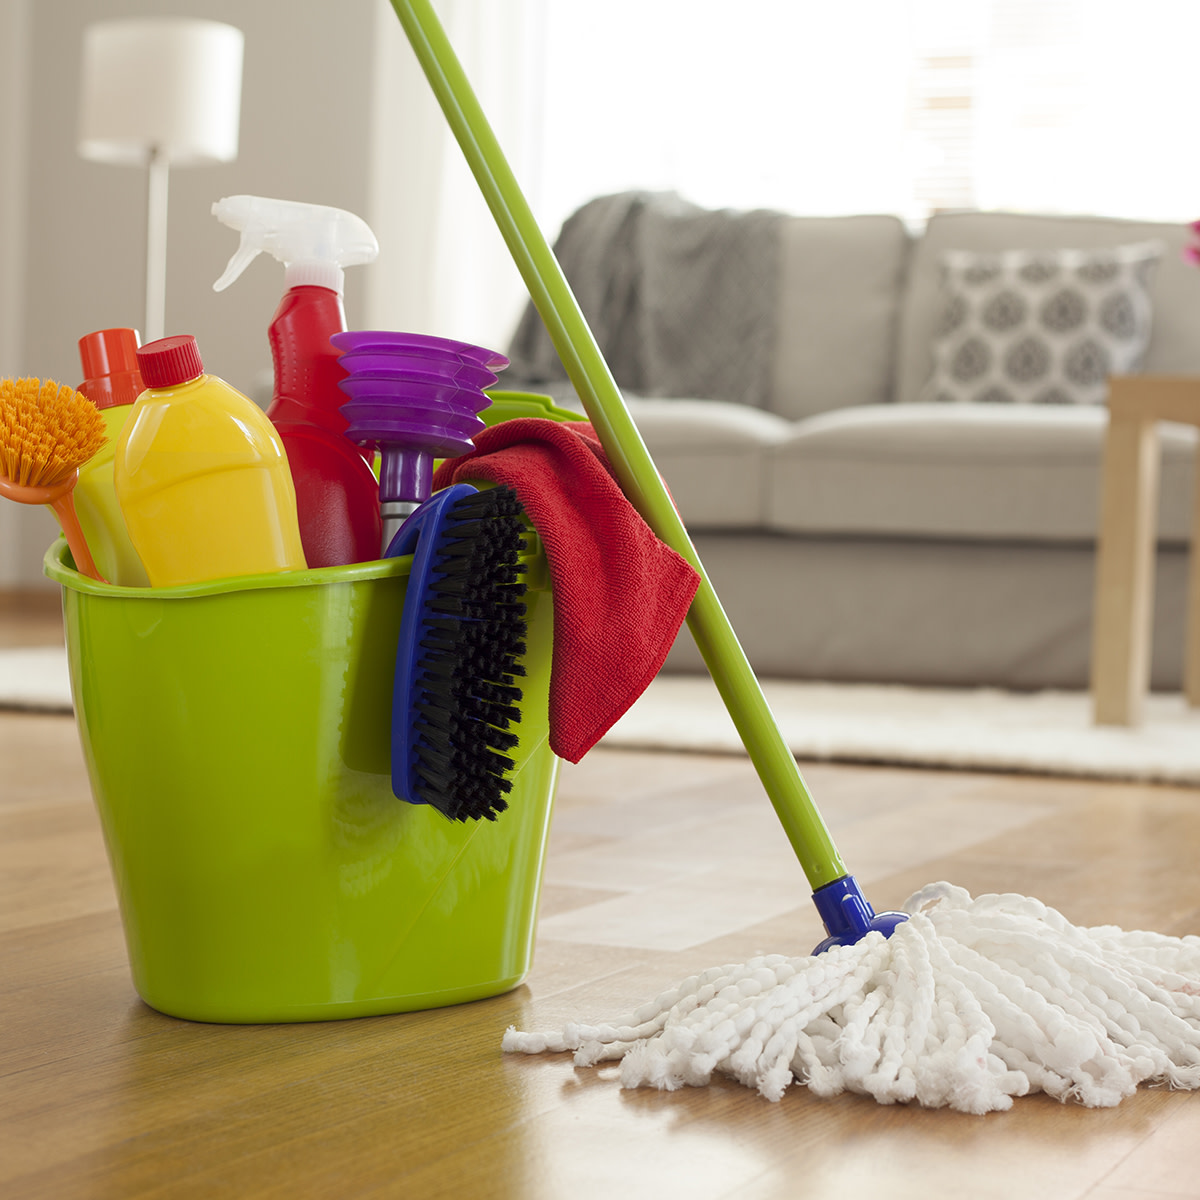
639	478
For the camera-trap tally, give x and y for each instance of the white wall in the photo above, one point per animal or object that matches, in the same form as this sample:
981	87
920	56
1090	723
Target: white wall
15	20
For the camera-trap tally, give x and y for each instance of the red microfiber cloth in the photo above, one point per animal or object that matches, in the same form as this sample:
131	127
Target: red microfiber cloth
620	594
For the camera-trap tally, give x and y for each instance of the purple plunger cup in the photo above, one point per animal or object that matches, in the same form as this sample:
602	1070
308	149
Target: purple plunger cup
412	418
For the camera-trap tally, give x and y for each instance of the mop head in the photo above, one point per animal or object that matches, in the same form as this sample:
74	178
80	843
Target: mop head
969	1003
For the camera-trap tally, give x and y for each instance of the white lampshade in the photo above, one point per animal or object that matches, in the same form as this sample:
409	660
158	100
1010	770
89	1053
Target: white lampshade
170	86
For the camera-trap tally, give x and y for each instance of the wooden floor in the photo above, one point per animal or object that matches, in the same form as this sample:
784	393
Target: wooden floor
659	865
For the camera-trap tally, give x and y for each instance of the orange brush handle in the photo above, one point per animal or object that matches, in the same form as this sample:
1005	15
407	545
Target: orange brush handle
60	499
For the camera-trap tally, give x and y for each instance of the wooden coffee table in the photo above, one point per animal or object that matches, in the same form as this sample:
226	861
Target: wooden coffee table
1125	553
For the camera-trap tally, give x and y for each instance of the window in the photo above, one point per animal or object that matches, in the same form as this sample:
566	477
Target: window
905	106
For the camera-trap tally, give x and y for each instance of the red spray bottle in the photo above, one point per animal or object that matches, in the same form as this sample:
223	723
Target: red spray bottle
337	496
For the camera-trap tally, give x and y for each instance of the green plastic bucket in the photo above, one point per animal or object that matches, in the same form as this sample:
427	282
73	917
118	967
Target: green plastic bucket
237	737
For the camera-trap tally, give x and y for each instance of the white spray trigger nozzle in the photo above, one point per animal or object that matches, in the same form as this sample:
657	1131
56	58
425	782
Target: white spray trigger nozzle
313	241
242	258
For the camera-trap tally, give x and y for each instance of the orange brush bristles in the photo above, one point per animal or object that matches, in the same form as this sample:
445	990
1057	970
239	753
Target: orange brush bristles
47	431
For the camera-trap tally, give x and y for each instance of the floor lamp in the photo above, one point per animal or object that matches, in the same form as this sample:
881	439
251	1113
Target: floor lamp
160	92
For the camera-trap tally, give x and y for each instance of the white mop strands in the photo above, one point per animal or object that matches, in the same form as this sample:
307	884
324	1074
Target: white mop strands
969	1003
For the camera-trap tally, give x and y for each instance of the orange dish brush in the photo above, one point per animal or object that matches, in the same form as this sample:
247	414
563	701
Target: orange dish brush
47	432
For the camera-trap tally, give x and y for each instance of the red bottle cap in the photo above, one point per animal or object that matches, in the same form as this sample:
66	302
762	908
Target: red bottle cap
109	358
170	361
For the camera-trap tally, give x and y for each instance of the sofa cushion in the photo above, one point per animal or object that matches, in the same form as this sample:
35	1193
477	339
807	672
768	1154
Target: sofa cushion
1041	327
1174	347
970	471
840	286
712	456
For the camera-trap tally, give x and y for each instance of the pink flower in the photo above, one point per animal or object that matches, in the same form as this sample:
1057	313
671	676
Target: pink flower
1191	252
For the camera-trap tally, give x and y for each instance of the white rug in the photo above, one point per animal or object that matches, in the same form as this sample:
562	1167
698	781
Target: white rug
35	679
1043	732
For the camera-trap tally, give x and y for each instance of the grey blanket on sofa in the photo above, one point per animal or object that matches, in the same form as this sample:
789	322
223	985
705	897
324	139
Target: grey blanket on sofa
681	300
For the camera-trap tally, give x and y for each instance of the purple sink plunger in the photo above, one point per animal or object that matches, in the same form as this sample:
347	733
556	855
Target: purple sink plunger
411	398
419	345
411	366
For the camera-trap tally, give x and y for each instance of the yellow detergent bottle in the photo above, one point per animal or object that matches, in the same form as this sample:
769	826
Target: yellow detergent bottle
112	383
201	475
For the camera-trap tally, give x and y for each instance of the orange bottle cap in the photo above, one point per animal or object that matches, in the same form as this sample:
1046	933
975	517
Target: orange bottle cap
111	375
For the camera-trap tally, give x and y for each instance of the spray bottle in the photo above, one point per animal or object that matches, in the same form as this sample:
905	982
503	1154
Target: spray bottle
337	496
112	383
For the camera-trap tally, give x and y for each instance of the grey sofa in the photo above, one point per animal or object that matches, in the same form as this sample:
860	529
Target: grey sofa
853	528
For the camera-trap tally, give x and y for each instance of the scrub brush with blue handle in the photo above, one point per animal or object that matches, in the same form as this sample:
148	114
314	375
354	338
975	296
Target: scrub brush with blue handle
462	636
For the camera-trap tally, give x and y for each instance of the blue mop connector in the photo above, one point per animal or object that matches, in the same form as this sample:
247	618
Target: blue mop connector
847	915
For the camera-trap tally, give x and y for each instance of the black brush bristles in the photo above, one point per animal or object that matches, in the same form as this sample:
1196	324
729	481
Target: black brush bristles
463	697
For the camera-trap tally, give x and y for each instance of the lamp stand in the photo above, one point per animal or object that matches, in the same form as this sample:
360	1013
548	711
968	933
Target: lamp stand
156	244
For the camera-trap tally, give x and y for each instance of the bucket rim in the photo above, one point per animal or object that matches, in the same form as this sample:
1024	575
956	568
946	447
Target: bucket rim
58	565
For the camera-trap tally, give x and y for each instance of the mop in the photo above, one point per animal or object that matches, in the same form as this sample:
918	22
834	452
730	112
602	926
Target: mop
954	1001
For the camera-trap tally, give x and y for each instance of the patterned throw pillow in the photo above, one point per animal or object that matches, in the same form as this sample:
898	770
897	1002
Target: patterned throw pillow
1045	327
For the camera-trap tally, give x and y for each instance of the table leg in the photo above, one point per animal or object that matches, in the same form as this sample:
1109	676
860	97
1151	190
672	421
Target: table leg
1125	557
